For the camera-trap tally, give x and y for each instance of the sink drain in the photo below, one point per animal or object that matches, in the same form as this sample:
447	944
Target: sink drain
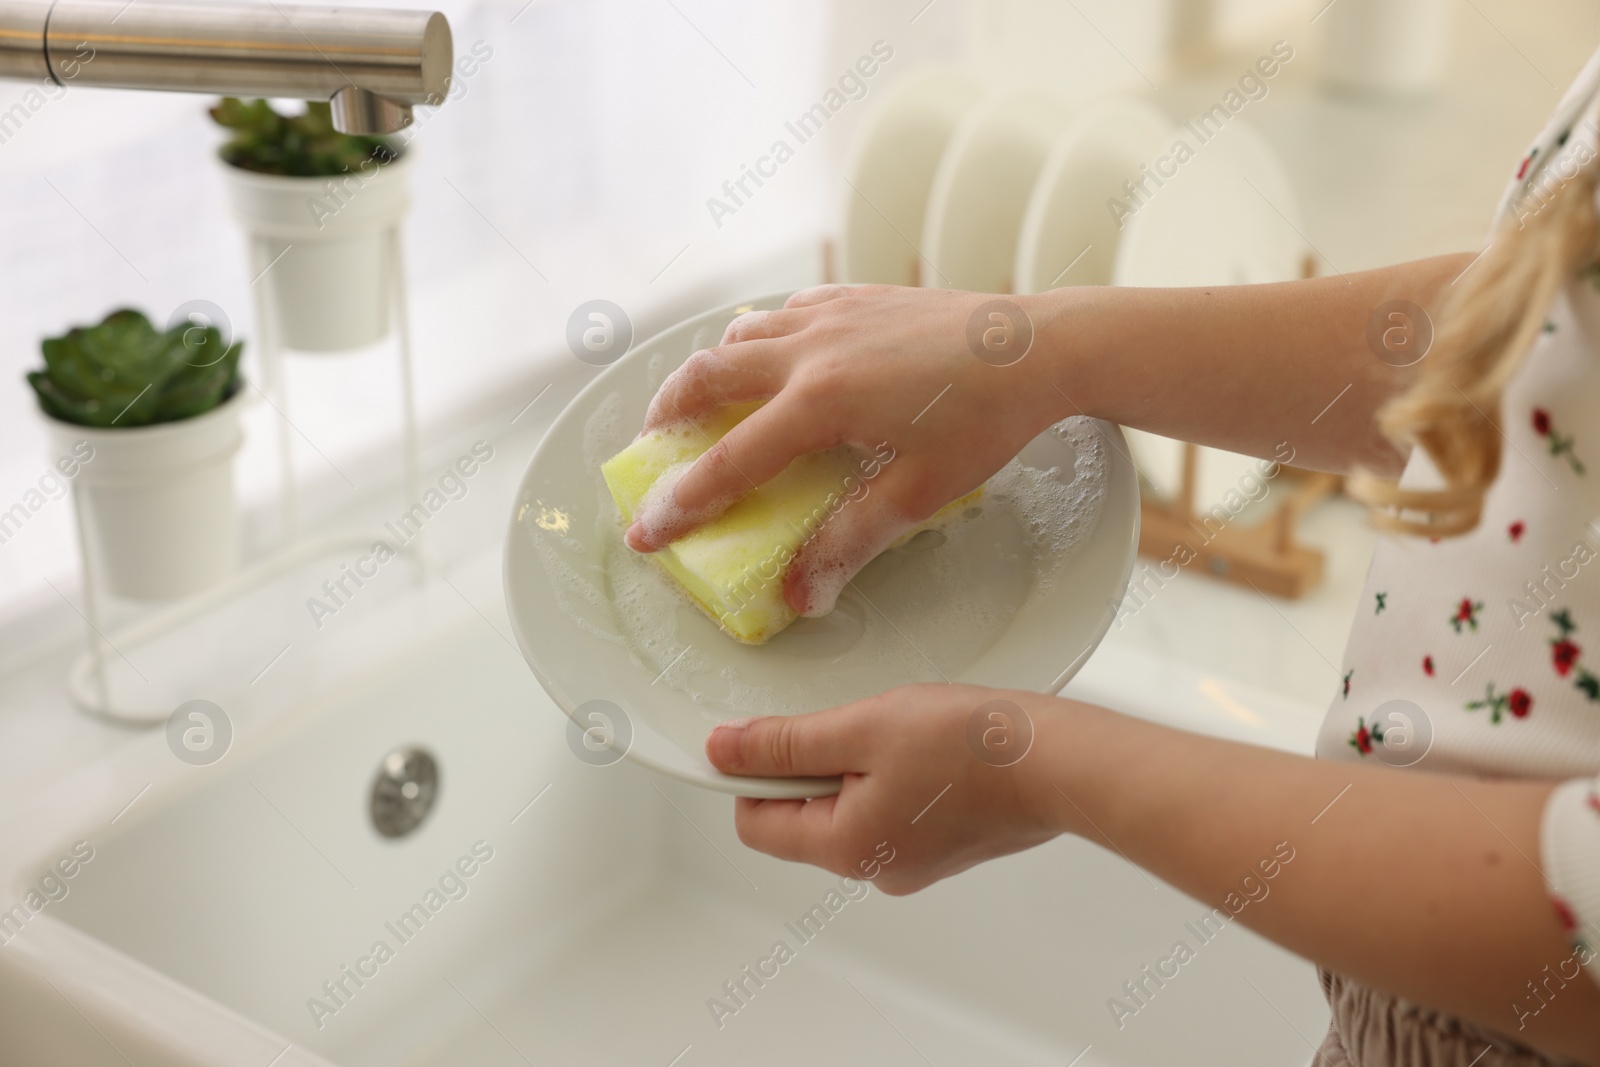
404	791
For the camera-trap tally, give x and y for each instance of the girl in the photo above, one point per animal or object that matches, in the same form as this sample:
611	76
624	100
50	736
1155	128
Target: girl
1454	913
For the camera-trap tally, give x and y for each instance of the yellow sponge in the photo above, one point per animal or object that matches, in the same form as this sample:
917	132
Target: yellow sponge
733	567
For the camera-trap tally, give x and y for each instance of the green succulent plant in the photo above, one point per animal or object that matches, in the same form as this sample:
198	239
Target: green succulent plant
125	372
296	146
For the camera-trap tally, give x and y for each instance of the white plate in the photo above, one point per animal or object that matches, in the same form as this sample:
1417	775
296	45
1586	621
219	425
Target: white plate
1069	235
982	187
891	173
1228	217
995	604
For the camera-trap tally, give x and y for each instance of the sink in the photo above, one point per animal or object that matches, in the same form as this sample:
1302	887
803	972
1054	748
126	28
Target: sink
158	909
231	913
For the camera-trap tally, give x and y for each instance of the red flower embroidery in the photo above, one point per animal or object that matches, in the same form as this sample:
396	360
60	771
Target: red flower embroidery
1564	655
1362	737
1518	702
1427	666
1466	615
1515	530
1560	444
1521	703
1594	800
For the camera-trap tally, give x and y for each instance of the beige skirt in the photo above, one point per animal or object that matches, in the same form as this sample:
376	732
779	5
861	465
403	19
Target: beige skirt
1373	1029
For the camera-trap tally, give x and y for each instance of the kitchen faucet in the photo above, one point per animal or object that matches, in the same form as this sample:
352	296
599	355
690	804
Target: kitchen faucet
372	64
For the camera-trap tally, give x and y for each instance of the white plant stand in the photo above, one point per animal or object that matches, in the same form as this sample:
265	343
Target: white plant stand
87	678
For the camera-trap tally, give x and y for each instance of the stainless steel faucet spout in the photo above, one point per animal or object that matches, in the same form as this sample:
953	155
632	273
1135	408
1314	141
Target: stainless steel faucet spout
375	64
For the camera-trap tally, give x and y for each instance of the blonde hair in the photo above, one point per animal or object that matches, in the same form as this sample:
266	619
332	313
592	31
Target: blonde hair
1486	328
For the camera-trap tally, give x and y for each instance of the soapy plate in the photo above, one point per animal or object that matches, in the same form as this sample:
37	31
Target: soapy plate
1015	593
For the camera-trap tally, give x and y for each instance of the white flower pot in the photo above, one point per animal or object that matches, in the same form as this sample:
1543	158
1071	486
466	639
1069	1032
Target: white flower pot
1386	47
157	501
324	238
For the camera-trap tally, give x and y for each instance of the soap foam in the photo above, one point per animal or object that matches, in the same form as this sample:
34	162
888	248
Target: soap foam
851	538
571	588
657	368
658	508
1058	515
744	327
659	512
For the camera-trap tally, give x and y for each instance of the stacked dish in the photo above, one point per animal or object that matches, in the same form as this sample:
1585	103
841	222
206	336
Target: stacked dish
1019	190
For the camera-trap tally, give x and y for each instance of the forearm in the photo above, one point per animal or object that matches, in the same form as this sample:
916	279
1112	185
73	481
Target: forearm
1243	368
1424	885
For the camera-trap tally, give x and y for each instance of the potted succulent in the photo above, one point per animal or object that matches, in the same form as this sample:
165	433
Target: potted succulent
317	204
160	410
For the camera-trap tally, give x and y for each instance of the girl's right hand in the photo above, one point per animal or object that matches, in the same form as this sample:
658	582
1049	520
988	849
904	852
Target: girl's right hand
884	369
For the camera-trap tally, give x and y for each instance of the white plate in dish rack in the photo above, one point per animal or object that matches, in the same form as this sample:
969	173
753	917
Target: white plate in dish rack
1015	595
982	186
890	174
1229	217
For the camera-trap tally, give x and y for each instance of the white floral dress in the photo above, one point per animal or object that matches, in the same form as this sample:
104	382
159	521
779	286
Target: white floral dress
1481	654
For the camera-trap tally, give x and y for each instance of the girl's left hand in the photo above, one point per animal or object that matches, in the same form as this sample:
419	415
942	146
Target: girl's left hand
912	778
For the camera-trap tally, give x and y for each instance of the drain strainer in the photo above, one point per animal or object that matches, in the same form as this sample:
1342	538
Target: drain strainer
404	791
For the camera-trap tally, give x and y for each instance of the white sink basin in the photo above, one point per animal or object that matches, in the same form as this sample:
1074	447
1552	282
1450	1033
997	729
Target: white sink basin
217	901
613	909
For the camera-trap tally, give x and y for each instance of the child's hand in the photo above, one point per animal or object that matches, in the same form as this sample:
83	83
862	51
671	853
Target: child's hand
912	778
886	370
